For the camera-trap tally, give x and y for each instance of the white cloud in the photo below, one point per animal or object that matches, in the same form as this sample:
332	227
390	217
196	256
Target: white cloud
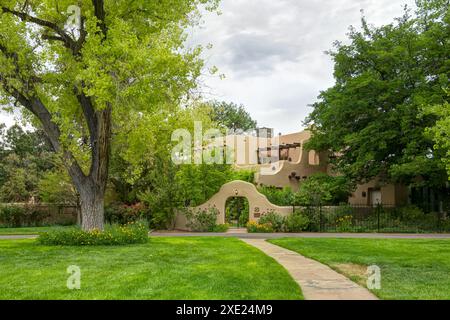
272	52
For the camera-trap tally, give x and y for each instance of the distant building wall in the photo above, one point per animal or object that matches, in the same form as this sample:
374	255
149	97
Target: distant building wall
391	194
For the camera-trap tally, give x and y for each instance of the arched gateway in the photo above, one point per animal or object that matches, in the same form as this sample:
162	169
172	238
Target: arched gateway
258	203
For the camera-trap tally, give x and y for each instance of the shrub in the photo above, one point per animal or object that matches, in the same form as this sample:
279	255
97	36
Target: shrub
202	220
122	213
411	213
313	215
221	228
296	222
255	227
275	220
131	233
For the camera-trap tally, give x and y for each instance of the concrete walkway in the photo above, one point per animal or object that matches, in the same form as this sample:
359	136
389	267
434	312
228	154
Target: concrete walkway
18	236
318	282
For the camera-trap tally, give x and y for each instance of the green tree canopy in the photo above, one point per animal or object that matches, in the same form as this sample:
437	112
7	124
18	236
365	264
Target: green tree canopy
25	156
441	131
232	116
371	118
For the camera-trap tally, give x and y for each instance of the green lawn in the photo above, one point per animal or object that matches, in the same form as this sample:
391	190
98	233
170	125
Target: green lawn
165	268
410	269
32	230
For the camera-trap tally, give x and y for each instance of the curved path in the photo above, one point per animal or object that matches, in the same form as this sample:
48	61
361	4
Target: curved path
318	282
18	236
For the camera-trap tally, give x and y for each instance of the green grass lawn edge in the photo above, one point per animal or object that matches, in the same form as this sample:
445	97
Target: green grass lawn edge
411	269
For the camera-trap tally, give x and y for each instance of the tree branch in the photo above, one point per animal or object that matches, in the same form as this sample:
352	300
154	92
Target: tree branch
88	112
99	10
37	108
62	36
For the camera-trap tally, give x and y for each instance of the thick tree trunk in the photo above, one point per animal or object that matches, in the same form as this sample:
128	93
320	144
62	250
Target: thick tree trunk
92	187
92	209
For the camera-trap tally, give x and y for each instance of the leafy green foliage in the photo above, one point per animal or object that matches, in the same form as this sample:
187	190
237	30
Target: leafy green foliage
221	228
142	169
25	159
56	187
371	119
200	182
322	189
296	222
123	214
440	132
281	197
243	175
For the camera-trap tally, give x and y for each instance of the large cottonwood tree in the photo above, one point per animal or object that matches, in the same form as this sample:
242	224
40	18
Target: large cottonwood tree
81	68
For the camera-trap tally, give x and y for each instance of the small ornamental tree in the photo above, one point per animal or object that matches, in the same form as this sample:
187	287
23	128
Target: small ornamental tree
81	69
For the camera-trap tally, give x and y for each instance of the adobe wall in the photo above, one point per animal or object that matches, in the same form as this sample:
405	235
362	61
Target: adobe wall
258	203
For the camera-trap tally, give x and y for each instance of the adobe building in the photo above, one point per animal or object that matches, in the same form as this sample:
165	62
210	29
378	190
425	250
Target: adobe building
294	164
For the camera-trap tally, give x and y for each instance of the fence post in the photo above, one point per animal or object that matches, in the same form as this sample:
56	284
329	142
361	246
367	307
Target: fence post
438	215
378	217
320	218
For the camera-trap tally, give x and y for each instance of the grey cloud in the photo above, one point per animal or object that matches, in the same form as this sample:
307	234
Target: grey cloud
257	54
272	52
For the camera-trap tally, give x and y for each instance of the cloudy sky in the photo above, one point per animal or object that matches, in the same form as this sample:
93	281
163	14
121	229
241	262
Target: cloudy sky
272	52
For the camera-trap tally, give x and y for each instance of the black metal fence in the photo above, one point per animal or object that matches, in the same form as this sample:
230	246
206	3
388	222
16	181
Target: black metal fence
380	218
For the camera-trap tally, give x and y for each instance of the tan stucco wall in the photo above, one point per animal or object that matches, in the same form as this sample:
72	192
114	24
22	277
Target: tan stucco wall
391	194
258	203
300	164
